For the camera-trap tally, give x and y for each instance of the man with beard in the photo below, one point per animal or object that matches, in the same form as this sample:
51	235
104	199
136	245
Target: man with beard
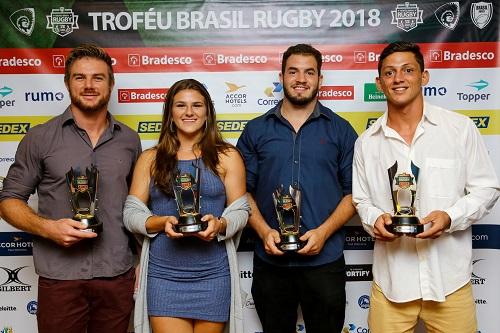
85	280
302	146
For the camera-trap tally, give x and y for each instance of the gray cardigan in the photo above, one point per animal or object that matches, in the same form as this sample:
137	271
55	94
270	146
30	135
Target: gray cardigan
135	214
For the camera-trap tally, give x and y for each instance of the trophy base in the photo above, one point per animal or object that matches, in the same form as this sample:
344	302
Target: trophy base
405	225
290	243
190	224
92	224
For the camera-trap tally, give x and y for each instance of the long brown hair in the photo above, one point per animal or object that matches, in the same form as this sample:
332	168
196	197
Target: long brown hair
164	167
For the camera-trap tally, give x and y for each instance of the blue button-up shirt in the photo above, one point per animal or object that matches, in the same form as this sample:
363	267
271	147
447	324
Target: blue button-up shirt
317	160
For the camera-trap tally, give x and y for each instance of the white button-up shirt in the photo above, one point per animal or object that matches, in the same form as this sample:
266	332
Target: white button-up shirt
456	176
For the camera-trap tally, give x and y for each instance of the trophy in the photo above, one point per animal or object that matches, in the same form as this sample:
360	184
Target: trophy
187	196
287	207
404	192
83	197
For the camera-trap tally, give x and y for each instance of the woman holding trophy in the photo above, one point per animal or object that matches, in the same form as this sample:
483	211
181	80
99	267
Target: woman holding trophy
188	200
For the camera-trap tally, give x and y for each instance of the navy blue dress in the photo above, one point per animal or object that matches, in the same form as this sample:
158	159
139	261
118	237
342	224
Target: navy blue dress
189	277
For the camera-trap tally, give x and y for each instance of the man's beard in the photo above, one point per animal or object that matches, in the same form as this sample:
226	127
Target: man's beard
102	103
300	101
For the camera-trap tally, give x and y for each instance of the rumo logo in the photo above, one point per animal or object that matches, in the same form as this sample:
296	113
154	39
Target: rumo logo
43	96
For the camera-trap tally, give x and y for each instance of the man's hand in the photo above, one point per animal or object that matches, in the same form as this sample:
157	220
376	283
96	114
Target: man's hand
270	239
67	232
315	239
440	222
380	230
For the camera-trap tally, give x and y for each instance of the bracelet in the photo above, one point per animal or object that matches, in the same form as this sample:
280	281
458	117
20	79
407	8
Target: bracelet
221	221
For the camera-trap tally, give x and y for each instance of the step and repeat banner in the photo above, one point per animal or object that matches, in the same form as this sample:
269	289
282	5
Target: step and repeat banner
235	49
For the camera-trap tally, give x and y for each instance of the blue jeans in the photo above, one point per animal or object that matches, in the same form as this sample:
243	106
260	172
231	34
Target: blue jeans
320	291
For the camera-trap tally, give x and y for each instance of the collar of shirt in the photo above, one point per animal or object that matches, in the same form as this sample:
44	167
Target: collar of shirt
68	118
276	112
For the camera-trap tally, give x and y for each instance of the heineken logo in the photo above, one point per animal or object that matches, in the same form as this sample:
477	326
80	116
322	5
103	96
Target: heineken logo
62	21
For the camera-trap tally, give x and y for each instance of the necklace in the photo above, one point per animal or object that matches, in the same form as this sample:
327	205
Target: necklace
185	149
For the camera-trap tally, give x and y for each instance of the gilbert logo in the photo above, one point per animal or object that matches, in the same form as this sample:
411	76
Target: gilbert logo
448	14
62	21
406	17
481	13
23	20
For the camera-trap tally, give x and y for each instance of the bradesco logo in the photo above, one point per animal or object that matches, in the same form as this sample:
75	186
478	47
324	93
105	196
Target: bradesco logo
447	55
137	60
4	100
477	94
372	94
210	59
336	93
142	95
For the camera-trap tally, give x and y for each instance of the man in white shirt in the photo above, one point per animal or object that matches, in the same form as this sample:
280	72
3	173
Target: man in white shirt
426	276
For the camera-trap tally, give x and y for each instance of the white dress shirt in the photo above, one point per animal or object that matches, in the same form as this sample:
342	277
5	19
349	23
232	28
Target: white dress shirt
456	175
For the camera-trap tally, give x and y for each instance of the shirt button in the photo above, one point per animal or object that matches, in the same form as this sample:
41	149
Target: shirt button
296	162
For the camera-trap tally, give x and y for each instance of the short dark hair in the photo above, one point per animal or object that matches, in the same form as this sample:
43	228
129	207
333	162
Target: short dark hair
91	51
401	46
302	49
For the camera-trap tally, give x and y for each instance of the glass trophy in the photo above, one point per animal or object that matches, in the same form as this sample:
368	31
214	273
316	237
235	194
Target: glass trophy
83	197
404	191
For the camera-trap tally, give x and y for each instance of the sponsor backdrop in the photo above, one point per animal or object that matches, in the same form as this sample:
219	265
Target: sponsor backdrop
235	48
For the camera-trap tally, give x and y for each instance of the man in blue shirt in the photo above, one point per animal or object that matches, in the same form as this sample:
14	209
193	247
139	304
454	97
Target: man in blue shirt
304	145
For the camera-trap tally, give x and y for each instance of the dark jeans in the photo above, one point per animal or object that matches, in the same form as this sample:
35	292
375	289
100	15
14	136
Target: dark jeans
320	291
99	305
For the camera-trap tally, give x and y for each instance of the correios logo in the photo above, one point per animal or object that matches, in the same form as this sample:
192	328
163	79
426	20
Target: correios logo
273	95
336	93
351	328
62	21
23	20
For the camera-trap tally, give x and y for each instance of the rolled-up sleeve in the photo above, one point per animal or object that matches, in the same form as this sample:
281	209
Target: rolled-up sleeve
26	172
